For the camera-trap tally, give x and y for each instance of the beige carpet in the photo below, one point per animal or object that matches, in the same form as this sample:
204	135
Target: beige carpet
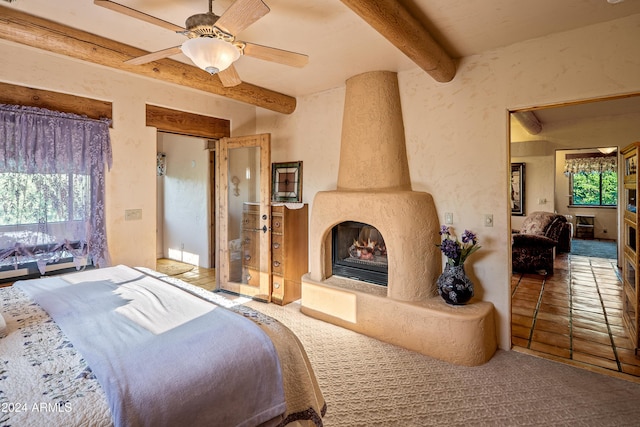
172	267
370	383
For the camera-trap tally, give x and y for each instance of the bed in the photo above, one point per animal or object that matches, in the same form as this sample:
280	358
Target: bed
128	347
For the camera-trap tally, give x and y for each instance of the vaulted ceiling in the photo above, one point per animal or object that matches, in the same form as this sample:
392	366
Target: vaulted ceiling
338	41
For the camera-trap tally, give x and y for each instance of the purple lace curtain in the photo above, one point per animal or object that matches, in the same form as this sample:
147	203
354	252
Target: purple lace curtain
52	201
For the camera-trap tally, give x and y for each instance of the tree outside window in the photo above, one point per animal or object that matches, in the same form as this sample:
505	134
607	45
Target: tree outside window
594	189
38	198
593	178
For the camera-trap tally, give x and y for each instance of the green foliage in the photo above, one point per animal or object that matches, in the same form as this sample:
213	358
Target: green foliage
610	188
39	198
595	189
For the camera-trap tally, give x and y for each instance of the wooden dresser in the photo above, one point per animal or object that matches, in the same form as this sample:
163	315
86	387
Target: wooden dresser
289	250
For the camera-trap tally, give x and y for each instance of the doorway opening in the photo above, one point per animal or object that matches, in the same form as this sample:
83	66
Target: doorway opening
183	200
174	124
574	314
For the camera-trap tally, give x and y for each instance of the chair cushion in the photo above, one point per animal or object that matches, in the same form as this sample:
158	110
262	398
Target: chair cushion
537	223
532	241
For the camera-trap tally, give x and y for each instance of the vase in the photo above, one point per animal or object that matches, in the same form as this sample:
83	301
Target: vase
454	286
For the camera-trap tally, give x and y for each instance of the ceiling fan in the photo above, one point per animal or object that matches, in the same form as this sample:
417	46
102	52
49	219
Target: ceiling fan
212	43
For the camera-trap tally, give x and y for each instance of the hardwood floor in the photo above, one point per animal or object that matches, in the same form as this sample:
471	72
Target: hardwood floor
574	316
200	276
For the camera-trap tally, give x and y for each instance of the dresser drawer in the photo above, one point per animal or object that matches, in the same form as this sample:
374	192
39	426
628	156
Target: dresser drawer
277	252
250	249
277	266
277	224
277	288
250	220
284	291
276	244
251	276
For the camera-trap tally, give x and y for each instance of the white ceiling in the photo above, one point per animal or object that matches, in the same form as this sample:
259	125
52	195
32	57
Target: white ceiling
339	43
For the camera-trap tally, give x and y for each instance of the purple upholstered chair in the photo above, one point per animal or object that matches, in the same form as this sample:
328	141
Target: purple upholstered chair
533	247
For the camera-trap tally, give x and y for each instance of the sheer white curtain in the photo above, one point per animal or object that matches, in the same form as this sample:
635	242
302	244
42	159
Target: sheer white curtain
52	202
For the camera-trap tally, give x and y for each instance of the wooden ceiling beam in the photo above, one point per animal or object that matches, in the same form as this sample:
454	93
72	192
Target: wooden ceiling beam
396	24
31	97
529	121
26	29
183	123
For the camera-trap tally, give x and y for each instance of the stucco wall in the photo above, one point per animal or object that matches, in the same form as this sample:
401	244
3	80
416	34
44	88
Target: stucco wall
458	134
131	183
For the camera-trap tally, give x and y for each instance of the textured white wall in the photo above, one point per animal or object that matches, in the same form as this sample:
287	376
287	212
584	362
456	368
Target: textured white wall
458	133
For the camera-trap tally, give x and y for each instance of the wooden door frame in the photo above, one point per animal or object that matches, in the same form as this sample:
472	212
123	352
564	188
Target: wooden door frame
212	207
198	126
222	202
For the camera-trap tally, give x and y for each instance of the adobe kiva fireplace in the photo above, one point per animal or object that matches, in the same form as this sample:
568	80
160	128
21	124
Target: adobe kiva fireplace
374	259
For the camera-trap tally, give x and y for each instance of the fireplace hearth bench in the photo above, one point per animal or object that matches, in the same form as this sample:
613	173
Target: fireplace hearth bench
463	335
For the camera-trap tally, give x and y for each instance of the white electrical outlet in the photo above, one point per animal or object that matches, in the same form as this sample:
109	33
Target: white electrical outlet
448	218
488	220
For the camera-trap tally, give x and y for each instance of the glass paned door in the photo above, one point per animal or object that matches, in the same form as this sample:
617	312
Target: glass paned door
244	215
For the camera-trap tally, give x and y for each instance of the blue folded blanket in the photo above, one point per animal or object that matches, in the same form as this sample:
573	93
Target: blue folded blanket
163	356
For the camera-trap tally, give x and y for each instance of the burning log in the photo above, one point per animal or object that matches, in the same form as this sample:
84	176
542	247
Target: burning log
367	250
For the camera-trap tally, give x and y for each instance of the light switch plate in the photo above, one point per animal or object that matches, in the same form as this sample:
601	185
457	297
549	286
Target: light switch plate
448	218
488	220
132	214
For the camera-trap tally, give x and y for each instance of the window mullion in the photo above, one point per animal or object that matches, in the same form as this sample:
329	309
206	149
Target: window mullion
600	183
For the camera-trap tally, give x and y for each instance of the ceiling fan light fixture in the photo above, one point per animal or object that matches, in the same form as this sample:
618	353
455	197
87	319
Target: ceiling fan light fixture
211	54
607	150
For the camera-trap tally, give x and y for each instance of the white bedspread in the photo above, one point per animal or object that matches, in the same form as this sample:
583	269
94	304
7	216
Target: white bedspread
164	356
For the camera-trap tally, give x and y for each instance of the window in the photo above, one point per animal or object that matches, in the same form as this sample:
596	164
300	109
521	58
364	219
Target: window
52	199
27	199
593	177
594	189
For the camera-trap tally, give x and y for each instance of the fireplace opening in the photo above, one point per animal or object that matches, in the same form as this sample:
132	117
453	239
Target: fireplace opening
359	252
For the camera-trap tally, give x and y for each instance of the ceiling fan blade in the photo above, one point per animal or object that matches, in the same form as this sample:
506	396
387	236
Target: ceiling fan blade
137	14
154	56
229	77
276	55
241	14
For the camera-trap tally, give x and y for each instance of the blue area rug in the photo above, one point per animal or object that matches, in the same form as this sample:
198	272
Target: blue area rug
595	248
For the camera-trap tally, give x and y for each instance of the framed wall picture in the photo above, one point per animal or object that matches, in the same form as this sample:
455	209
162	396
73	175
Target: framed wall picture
517	189
286	179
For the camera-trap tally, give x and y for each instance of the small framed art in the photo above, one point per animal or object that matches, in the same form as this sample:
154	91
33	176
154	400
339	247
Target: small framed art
517	189
286	182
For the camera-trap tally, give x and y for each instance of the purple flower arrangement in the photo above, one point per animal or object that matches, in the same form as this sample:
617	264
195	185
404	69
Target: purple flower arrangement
455	250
